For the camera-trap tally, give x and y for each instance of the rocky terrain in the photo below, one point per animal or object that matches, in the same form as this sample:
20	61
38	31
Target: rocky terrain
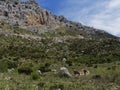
26	15
29	15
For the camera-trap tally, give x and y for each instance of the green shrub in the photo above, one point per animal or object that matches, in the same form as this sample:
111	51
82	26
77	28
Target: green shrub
6	64
35	76
41	85
47	64
96	77
95	66
3	66
12	64
69	63
56	87
25	70
44	69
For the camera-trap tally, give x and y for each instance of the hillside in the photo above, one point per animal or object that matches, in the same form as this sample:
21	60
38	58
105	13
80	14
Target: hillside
32	38
27	51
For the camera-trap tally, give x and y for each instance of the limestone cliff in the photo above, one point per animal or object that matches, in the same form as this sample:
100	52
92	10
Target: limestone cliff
27	15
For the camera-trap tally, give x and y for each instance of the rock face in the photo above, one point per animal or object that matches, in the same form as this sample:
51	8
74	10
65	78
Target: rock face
27	15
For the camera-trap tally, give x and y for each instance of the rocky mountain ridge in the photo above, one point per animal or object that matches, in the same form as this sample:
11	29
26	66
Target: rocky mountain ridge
26	15
29	15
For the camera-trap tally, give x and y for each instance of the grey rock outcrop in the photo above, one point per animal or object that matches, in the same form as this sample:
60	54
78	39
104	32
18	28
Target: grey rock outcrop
27	15
30	15
64	72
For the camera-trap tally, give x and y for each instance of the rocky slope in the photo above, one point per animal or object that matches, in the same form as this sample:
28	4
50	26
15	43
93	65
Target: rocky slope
54	35
29	15
26	15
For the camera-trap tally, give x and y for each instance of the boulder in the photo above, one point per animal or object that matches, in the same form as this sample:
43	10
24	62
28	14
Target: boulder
38	72
64	72
84	72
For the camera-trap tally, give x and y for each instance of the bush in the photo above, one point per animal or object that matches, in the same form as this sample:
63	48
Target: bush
47	64
25	70
56	87
12	64
7	64
44	69
35	76
69	63
95	66
96	77
3	66
41	85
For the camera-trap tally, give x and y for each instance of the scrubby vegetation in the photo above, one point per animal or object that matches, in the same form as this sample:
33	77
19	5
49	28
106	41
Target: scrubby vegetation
21	57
